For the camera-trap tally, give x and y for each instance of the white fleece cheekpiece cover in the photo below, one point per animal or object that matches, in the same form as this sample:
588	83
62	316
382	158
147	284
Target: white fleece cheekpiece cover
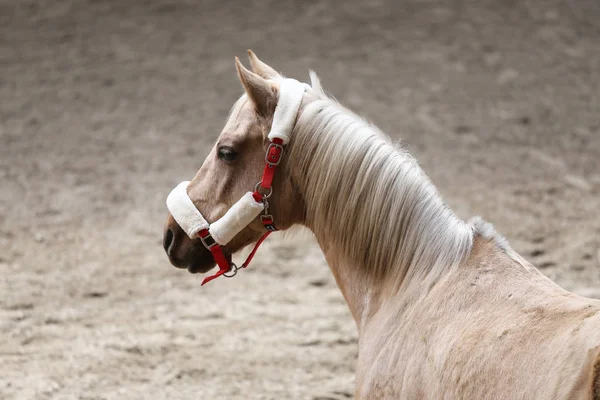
242	213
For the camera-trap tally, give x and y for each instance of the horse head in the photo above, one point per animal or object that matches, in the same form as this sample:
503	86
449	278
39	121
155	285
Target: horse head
233	167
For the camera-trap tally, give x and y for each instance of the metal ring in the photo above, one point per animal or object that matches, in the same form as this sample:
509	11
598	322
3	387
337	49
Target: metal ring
265	196
232	267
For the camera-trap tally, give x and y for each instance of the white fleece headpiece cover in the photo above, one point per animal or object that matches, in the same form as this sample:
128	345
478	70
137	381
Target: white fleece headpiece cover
290	96
242	213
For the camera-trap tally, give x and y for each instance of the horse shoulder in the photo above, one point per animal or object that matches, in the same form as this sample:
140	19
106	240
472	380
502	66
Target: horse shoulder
491	329
594	386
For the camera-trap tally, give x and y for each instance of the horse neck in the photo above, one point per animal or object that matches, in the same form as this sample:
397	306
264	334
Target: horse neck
377	217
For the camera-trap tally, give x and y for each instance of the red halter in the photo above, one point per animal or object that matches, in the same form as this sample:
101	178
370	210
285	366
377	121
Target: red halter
272	159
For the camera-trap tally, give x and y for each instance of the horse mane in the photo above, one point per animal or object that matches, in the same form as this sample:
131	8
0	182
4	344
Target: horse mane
370	196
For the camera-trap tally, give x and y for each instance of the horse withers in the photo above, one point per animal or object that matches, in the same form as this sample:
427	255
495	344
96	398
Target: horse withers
445	309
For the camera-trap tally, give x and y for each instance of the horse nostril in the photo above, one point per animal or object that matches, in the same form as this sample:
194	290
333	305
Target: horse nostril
168	240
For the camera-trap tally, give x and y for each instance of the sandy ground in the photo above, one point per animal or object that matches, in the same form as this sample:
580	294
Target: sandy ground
106	105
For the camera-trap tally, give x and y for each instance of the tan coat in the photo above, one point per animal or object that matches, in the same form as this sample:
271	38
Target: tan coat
491	329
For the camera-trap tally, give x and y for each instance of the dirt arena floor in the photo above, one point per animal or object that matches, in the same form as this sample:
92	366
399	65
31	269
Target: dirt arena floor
107	105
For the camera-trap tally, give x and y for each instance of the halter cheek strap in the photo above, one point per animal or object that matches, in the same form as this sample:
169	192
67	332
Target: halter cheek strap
245	210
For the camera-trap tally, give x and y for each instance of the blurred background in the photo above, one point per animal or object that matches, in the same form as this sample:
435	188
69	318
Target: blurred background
107	105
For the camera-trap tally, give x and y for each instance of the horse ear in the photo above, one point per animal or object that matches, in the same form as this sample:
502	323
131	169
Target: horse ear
261	68
262	92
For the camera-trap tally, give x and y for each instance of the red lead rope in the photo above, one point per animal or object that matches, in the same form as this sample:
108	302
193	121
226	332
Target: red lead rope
272	159
224	265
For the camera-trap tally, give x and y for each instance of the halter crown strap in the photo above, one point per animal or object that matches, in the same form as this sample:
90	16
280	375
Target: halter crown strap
245	210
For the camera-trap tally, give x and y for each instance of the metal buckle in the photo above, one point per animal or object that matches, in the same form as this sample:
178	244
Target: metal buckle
269	225
233	269
276	146
208	241
265	196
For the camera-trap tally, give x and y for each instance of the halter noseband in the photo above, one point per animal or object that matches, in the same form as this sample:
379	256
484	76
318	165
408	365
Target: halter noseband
242	213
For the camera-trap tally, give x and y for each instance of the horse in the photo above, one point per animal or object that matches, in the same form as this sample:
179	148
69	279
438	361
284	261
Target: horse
444	308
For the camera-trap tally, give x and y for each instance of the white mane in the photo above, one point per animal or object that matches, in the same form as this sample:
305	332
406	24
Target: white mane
371	196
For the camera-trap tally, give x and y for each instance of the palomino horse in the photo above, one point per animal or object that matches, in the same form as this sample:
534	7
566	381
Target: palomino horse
445	309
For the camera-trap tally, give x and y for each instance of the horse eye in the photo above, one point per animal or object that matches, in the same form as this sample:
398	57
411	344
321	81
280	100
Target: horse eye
227	154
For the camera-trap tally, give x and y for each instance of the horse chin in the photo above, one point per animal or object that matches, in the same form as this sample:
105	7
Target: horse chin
195	268
204	264
201	266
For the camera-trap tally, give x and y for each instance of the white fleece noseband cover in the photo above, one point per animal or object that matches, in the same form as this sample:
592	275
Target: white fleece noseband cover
191	220
242	213
184	211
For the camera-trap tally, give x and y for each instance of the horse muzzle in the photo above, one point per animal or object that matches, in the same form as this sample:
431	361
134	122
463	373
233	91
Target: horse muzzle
184	252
